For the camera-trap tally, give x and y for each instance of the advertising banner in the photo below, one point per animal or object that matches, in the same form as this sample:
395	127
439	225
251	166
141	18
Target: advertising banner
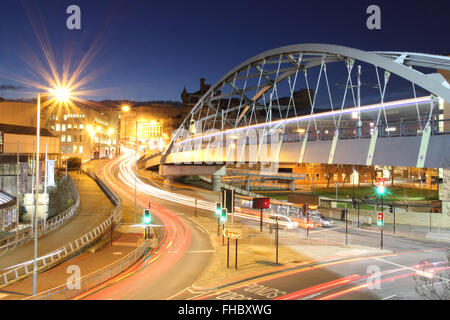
24	168
51	173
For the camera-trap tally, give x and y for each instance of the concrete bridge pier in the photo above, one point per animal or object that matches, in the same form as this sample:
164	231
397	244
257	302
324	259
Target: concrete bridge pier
170	172
216	183
168	182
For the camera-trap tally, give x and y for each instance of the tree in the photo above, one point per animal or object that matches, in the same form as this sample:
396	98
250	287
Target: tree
330	170
74	163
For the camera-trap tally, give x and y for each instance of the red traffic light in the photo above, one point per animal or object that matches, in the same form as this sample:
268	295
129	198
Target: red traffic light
380	216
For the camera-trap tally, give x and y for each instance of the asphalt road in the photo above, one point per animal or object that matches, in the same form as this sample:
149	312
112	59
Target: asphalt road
388	274
183	253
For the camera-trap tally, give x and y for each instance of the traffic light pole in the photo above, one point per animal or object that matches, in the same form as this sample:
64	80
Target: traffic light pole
382	211
276	240
346	224
394	217
261	221
358	212
228	252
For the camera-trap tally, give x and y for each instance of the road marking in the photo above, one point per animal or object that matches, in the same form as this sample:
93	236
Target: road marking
394	295
322	230
117	253
3	295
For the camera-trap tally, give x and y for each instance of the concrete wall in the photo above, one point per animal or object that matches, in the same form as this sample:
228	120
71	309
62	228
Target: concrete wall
401	218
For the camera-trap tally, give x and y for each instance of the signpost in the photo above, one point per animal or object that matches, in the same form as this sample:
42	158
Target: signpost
233	233
261	203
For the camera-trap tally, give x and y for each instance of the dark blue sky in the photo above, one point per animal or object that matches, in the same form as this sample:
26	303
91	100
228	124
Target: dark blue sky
150	50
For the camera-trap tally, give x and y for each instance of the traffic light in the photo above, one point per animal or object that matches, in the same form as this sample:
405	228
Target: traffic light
381	189
218	210
223	216
147	216
390	208
380	221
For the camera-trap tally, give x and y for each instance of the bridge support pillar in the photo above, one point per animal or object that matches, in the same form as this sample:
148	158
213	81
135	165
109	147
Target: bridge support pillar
293	186
168	182
216	183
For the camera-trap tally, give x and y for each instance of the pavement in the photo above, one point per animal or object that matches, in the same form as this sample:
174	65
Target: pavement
125	241
89	215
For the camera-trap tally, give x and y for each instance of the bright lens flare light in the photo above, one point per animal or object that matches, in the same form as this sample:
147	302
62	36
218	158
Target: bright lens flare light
62	94
381	190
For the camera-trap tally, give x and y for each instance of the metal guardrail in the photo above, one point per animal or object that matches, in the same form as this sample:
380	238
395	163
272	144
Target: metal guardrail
27	233
64	292
25	269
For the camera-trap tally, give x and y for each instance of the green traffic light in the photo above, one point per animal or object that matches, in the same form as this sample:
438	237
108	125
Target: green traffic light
381	190
223	216
218	210
147	217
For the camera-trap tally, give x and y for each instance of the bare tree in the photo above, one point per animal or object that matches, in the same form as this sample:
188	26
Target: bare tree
330	170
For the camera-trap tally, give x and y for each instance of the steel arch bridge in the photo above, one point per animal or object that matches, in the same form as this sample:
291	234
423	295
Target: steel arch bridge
284	106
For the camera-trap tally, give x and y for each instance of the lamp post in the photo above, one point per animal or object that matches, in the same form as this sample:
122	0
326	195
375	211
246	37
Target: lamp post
126	109
61	94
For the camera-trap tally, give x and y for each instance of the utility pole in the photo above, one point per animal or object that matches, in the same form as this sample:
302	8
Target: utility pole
17	192
135	175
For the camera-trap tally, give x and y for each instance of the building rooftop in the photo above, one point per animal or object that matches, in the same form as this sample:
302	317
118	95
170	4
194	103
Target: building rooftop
31	131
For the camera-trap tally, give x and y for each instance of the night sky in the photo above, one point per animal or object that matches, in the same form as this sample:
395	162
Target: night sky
149	50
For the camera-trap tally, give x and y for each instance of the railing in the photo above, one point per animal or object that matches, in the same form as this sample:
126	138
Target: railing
27	233
25	269
395	129
64	292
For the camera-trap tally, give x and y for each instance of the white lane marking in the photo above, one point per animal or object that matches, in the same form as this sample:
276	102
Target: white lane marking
323	230
200	227
387	298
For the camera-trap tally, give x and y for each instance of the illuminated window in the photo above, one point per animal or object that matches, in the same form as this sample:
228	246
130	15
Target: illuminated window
65	117
74	149
58	127
52	127
62	149
68	150
81	126
63	138
80	150
69	138
69	126
63	127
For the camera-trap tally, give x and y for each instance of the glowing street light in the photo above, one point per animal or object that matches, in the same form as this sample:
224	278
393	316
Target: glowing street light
125	109
62	95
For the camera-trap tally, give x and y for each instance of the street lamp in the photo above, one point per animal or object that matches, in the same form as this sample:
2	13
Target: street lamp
126	109
62	95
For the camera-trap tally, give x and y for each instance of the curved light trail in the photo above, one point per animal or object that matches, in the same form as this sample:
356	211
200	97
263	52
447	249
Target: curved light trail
174	242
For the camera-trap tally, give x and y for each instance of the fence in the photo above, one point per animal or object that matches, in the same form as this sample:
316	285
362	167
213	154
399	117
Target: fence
27	233
64	292
24	270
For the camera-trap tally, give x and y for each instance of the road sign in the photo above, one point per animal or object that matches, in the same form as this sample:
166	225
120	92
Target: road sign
232	233
261	203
